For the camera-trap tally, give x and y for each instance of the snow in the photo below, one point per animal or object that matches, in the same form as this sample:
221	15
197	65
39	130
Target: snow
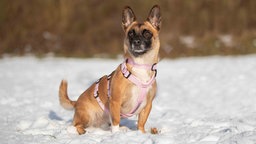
209	100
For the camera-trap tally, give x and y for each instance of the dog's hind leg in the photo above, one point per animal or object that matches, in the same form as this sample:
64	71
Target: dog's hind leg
80	123
80	128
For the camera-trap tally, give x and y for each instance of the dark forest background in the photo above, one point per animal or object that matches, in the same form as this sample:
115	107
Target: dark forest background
88	28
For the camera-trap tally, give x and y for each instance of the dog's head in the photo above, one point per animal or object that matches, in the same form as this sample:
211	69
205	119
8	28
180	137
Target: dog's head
141	39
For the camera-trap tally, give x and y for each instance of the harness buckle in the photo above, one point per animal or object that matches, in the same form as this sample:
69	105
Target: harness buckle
126	73
96	94
153	68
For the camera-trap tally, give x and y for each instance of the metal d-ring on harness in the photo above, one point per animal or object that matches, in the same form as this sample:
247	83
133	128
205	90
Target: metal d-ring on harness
143	86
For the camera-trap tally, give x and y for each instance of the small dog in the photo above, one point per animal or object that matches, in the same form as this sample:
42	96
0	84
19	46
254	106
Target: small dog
128	90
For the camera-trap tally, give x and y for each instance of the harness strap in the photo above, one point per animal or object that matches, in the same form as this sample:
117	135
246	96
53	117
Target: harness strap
143	92
143	86
127	74
96	92
142	66
96	95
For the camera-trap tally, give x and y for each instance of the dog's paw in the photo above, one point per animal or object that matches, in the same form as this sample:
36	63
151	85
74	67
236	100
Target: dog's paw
119	129
124	129
115	129
154	131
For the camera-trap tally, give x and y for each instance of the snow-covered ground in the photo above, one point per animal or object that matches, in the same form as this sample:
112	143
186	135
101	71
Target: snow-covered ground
209	100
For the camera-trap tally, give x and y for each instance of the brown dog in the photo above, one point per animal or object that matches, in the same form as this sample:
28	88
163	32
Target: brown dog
131	88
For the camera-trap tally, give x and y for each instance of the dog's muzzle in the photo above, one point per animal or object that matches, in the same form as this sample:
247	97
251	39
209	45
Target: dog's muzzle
138	47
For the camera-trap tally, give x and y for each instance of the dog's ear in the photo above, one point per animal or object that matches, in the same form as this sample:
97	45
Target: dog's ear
128	17
154	17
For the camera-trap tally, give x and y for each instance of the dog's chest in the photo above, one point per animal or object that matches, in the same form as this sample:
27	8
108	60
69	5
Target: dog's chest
142	74
137	96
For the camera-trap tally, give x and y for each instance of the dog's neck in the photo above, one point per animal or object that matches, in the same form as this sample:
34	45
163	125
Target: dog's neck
141	73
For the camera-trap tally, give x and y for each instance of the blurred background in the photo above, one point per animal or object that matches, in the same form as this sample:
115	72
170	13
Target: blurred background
92	28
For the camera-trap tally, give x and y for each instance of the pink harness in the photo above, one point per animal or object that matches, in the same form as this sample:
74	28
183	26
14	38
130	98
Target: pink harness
127	74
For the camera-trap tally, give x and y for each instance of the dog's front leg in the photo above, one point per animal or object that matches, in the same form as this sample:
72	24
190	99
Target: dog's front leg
143	116
114	106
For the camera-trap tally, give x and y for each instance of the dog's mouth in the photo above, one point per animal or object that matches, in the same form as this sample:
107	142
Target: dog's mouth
138	50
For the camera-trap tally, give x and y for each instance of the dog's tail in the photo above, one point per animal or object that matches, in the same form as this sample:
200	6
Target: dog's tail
65	102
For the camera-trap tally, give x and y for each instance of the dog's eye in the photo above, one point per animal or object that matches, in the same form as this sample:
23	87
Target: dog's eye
147	34
131	33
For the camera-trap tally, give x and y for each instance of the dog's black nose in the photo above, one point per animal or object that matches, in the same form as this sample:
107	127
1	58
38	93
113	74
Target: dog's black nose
137	42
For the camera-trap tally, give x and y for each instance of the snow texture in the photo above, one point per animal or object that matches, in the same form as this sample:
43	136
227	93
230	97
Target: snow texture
209	100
